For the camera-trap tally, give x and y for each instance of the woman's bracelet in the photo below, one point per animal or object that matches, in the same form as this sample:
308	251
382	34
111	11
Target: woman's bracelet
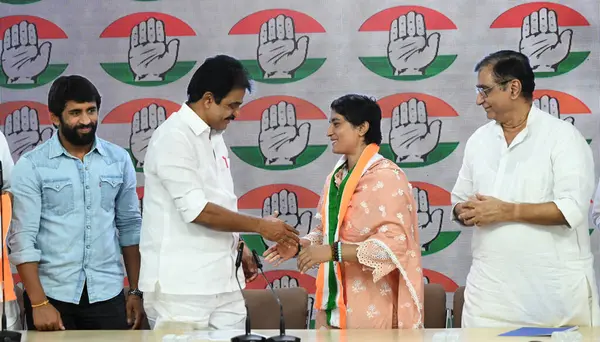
333	251
336	251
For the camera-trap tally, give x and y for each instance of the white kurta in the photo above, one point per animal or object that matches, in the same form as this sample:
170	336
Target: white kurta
187	166
527	274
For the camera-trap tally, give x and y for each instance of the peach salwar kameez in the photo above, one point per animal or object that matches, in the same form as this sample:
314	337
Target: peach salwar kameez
384	290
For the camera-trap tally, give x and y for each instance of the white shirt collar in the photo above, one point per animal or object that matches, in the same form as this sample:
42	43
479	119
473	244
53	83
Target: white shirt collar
193	120
532	117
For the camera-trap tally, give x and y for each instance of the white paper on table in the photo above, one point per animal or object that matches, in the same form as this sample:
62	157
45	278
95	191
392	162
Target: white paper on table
216	335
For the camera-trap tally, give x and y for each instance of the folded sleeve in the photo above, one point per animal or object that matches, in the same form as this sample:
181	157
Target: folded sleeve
127	210
463	187
179	173
27	209
573	168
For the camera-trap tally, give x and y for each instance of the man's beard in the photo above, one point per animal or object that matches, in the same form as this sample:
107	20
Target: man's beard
76	138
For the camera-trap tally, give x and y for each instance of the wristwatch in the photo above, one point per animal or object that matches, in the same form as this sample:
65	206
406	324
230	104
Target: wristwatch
136	292
299	249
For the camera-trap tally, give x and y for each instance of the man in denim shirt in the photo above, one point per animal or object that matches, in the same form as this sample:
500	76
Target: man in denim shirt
75	211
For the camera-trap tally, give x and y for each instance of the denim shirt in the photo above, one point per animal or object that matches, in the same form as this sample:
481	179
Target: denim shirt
72	217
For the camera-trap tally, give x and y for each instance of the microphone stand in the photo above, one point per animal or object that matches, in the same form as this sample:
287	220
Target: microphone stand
282	337
248	336
5	335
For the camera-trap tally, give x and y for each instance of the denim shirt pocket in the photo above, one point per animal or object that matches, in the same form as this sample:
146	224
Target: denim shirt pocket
58	196
109	188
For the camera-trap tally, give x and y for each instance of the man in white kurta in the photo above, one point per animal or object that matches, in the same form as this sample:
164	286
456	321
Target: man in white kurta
190	226
595	209
526	193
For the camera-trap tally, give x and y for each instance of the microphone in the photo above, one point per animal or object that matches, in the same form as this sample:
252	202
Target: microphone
282	337
238	259
248	336
5	335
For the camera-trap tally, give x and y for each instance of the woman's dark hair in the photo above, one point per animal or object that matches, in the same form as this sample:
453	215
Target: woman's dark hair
358	109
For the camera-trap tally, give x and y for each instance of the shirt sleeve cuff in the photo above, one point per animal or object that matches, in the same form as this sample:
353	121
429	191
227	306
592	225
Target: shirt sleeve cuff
130	239
570	211
453	217
18	258
453	214
191	205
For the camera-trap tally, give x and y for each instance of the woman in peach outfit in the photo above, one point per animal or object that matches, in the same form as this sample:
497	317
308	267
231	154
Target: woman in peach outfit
367	245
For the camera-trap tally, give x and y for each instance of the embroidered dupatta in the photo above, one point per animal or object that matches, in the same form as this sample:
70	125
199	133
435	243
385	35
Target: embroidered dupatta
329	296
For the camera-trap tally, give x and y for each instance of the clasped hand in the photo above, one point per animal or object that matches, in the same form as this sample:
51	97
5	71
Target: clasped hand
480	210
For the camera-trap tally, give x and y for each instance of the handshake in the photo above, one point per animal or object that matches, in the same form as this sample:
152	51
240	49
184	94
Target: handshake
273	229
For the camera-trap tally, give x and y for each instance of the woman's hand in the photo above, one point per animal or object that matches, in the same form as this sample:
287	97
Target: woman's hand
277	254
313	256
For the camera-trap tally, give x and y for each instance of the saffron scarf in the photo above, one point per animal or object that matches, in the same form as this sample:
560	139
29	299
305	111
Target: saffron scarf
329	295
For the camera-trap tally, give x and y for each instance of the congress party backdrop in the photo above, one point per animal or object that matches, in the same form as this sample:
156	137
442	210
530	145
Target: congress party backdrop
415	57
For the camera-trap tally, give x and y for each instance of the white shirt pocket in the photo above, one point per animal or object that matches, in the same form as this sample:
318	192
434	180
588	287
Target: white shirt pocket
224	170
224	163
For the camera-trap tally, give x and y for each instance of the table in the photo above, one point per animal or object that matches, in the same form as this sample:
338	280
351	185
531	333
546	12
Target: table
468	335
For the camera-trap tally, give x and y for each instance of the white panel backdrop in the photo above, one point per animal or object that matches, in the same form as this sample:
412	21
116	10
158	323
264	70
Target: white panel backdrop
141	55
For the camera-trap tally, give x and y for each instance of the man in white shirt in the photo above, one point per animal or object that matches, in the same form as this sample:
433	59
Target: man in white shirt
13	318
190	225
525	185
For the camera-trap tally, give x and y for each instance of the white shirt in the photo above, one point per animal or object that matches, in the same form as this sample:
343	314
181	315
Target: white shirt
549	161
186	166
7	166
7	162
595	210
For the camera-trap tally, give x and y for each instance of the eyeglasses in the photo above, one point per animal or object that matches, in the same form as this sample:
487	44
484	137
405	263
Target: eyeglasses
484	92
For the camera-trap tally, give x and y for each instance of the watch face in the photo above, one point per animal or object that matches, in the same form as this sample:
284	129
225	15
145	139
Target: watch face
135	293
